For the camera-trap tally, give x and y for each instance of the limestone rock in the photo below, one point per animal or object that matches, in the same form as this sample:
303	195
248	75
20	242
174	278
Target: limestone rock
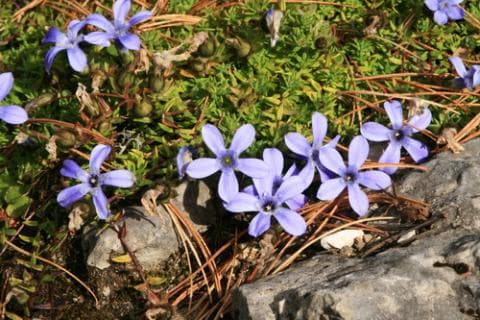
152	239
435	277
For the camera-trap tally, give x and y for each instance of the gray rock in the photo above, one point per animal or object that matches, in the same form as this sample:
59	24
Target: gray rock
436	277
152	239
196	199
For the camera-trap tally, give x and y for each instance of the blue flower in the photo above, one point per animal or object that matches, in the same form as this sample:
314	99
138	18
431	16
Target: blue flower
468	78
227	160
399	135
69	42
299	145
93	181
269	202
10	113
274	160
445	9
184	157
117	31
350	177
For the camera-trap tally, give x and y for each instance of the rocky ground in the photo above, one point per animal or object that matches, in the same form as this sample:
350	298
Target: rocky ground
433	275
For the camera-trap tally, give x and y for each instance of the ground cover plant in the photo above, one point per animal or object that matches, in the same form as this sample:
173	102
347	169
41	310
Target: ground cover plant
152	92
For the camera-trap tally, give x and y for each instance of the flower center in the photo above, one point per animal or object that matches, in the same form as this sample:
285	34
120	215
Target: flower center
315	154
350	177
268	206
227	161
93	180
398	135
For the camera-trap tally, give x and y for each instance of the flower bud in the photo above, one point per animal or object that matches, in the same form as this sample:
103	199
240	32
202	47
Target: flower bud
41	101
126	79
65	138
207	48
157	83
105	128
197	65
242	47
143	108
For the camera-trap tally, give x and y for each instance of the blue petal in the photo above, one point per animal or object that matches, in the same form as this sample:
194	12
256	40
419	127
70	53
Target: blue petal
6	84
417	150
394	112
319	128
243	138
298	144
357	152
274	160
330	189
290	221
307	173
358	199
440	17
332	160
203	167
99	38
139	17
264	186
100	202
259	224
253	168
228	185
77	59
297	202
432	4
101	22
54	35
72	194
458	65
97	157
74	27
374	179
50	56
290	188
375	132
118	178
391	155
242	202
121	9
455	13
13	114
213	139
71	169
421	121
130	41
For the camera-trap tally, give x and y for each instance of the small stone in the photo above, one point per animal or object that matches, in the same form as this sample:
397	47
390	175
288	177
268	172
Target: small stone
340	239
151	238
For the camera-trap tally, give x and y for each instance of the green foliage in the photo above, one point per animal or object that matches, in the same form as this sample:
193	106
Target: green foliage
315	66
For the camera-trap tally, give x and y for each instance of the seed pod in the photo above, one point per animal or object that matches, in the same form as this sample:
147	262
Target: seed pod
143	108
157	83
126	78
127	57
321	43
197	65
40	101
242	47
66	138
207	48
105	128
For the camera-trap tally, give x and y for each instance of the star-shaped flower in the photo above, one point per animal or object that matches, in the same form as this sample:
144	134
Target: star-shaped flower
350	177
299	145
119	29
69	42
10	113
92	181
469	78
227	160
445	9
399	135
